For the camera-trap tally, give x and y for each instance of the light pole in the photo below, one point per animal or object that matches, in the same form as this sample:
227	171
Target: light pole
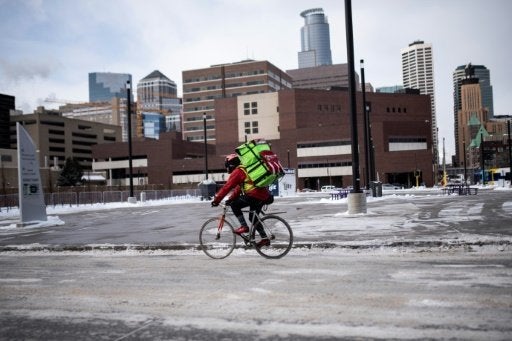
205	148
465	166
509	153
129	130
366	125
356	198
482	157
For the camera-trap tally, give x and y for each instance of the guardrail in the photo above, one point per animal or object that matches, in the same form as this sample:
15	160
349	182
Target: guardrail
460	190
9	201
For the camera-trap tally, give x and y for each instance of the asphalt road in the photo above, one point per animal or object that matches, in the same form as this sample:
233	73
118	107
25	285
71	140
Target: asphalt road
422	267
485	217
321	294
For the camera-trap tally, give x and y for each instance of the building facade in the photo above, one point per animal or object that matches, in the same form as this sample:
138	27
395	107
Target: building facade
418	73
462	72
103	86
308	129
315	39
57	137
157	95
168	162
313	134
113	112
7	103
322	77
202	87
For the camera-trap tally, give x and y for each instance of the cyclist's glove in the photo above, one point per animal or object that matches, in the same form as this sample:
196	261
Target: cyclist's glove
228	202
215	204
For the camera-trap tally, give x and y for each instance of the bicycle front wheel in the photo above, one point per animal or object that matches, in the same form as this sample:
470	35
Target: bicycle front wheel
280	235
217	238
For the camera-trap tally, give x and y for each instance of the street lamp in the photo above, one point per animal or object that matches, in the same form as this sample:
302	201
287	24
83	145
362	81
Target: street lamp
482	156
356	199
509	153
129	130
366	125
205	148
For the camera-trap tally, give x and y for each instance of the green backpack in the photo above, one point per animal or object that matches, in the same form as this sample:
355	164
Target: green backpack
262	165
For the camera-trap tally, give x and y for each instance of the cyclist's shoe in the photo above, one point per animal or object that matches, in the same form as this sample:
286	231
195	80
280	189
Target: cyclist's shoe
241	229
263	242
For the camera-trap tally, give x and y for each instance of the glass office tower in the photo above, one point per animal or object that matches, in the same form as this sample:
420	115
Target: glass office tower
103	86
315	39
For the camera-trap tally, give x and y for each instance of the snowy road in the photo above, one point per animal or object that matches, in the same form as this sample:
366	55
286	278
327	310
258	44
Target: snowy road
415	267
411	293
315	218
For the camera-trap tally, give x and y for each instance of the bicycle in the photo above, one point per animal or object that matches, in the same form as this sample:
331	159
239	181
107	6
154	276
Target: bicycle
218	239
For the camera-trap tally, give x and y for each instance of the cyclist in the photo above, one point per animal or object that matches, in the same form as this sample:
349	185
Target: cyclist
244	194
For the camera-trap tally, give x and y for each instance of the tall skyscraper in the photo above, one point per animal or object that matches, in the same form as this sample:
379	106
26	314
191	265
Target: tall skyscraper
418	73
483	75
103	86
315	39
157	96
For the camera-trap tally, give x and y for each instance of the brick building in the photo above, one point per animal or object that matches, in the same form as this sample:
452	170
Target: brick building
309	130
313	134
201	87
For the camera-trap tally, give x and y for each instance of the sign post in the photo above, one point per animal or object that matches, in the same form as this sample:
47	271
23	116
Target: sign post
30	191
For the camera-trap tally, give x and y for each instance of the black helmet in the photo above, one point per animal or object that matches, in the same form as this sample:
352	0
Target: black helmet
231	162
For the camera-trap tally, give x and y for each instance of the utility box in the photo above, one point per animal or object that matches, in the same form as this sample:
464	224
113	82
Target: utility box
376	187
208	189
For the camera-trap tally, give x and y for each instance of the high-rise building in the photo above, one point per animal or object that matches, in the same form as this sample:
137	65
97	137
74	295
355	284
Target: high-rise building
6	105
103	86
484	78
418	73
202	86
315	39
481	73
157	95
471	118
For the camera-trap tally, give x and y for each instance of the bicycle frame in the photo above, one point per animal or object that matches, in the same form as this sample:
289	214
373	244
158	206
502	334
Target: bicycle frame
218	243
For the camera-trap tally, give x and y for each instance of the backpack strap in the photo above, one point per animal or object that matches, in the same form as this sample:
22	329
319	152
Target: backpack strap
248	184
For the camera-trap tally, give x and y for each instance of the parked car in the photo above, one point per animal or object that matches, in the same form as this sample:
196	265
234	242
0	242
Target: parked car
391	186
307	190
328	188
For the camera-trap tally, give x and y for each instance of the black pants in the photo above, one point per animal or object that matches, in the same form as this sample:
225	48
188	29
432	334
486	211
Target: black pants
255	206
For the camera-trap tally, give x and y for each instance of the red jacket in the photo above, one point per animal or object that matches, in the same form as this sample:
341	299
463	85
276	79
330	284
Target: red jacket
236	181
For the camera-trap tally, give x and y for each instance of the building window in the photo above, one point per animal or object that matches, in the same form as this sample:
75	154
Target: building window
255	129
251	127
251	108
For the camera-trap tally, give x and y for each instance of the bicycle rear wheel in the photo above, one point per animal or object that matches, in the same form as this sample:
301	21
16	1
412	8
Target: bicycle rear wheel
280	235
217	242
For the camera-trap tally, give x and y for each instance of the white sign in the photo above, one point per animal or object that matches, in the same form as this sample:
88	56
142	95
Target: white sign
31	196
287	184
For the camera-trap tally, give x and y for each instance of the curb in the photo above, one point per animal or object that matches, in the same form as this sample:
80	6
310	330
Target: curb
301	245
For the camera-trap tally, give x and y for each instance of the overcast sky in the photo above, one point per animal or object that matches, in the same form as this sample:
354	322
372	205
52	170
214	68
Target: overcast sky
49	47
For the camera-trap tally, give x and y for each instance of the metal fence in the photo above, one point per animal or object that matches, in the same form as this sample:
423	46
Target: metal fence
9	201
